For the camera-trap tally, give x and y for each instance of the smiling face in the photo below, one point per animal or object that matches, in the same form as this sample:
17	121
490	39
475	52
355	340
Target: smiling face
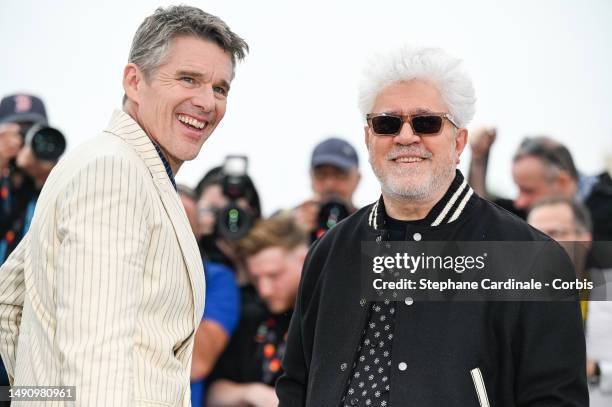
411	167
184	99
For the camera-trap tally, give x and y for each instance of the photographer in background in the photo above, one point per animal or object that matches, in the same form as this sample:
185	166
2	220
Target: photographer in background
23	138
334	177
541	167
227	206
28	152
274	252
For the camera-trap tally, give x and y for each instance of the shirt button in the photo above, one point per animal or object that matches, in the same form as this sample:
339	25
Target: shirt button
343	366
354	401
402	366
409	301
362	302
417	236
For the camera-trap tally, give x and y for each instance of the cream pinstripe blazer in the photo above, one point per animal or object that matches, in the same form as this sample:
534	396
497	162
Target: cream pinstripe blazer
106	290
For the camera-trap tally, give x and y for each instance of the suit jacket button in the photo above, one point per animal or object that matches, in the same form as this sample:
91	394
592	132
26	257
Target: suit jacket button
402	366
354	401
417	236
343	366
409	301
362	302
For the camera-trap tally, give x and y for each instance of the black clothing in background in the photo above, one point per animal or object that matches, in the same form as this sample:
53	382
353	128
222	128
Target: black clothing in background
256	349
599	203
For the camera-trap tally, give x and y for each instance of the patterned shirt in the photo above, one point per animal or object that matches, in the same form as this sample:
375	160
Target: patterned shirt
166	165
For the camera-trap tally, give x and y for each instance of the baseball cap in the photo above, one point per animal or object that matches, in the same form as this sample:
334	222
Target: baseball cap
335	152
22	108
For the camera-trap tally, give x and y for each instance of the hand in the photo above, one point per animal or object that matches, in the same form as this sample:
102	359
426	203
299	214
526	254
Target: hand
10	142
306	215
590	368
211	198
206	221
481	140
261	395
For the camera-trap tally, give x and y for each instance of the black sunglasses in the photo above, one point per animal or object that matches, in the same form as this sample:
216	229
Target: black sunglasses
430	124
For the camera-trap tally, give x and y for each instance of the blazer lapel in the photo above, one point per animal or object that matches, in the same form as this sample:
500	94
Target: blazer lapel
122	125
188	244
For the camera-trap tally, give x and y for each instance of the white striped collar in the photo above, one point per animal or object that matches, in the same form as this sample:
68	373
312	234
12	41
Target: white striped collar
447	210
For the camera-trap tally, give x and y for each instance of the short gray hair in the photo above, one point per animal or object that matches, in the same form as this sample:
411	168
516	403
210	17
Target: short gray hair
153	37
553	155
429	64
582	217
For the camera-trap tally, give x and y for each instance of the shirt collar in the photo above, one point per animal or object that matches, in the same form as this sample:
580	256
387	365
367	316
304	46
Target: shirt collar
446	210
166	164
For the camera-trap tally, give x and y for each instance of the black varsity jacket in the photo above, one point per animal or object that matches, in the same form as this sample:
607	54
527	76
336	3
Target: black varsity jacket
526	353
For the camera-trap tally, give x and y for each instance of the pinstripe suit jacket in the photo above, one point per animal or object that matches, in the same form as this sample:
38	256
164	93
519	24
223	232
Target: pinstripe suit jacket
106	290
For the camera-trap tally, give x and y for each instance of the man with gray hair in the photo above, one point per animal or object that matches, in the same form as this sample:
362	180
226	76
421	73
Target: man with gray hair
348	347
568	221
541	167
106	290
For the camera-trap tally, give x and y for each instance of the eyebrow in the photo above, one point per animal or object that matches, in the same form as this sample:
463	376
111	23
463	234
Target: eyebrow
422	110
225	84
412	112
190	73
198	75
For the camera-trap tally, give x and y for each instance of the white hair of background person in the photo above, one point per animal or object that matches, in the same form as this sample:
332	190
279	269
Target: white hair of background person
434	65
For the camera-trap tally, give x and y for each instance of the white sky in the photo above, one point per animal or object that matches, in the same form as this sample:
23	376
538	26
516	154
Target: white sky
540	66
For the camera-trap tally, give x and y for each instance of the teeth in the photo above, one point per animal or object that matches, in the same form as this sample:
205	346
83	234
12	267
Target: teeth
408	159
191	121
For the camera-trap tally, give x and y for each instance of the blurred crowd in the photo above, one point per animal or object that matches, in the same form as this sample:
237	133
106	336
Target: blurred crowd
253	264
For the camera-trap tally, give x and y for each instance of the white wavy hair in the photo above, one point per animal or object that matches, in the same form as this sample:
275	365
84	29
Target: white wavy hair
430	64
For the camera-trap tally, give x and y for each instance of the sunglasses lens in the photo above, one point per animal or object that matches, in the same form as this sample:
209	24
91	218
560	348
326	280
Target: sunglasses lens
427	124
386	124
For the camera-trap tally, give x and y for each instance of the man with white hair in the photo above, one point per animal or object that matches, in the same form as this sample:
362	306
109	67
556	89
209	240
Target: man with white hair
346	349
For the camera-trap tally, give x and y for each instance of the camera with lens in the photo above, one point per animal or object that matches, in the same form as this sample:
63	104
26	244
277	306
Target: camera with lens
331	212
47	143
232	221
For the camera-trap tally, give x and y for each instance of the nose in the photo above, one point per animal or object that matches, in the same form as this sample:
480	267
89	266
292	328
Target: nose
329	184
205	99
522	201
265	288
406	136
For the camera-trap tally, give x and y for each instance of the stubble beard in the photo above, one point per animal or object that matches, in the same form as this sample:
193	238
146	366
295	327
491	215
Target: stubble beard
414	184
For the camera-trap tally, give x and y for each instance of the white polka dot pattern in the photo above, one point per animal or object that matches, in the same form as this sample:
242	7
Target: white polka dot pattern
368	384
